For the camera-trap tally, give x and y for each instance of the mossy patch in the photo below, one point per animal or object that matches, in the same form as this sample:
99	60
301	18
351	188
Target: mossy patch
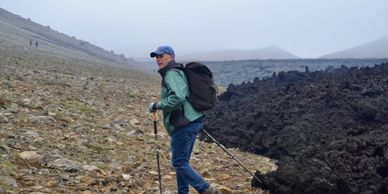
85	108
6	164
131	94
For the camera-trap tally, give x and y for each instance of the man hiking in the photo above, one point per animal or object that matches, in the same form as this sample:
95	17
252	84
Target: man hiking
181	121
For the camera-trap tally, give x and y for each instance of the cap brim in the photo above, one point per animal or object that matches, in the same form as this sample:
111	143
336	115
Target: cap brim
155	53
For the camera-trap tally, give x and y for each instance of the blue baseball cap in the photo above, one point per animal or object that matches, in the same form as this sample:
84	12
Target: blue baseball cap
163	50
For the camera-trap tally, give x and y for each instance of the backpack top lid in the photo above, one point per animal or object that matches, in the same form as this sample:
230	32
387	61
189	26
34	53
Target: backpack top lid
199	68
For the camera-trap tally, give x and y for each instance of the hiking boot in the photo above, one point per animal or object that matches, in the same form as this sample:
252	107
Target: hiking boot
210	190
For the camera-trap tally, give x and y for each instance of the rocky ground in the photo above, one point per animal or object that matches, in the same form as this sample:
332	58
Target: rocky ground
328	129
66	128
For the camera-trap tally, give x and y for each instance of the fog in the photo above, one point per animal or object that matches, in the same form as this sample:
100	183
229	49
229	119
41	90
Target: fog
305	28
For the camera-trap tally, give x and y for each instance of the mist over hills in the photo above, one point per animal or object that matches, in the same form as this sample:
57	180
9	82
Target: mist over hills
18	34
374	49
239	54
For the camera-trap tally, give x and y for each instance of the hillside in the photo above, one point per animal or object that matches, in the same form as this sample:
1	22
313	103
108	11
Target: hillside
17	33
75	121
85	129
227	55
374	49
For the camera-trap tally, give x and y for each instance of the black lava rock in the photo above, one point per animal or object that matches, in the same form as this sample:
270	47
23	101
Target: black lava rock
327	129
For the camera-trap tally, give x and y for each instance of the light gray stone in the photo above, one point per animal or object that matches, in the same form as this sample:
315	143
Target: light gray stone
134	122
118	127
3	119
41	119
121	122
9	180
135	133
30	156
32	133
116	165
89	167
65	165
44	171
14	108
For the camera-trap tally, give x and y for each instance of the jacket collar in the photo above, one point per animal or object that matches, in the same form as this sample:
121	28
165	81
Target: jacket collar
170	65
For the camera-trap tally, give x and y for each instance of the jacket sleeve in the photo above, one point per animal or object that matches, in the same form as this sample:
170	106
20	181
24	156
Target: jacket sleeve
177	91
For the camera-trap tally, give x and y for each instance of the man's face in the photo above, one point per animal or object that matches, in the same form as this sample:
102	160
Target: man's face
163	60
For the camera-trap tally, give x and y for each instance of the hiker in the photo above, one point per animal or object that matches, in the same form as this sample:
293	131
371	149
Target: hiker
181	121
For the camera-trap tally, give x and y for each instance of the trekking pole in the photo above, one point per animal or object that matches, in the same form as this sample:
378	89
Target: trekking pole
155	118
231	156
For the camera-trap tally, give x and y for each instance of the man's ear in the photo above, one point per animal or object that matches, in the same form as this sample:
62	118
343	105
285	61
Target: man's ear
171	57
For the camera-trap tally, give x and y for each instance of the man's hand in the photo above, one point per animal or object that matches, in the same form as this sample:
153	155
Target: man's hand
154	106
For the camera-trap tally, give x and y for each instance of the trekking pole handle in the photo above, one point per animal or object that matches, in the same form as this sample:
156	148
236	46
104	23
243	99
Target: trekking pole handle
154	116
155	119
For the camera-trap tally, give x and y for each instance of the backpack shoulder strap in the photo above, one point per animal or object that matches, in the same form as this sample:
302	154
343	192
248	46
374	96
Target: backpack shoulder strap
176	69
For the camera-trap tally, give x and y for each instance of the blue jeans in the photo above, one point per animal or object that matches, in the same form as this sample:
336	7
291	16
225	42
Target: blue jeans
182	143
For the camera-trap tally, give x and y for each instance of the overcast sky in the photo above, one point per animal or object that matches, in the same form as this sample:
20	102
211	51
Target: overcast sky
306	28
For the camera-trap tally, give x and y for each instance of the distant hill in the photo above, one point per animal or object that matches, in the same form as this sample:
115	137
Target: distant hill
18	33
375	49
238	54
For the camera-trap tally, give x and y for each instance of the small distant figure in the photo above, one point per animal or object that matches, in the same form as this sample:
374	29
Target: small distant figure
30	43
306	69
36	44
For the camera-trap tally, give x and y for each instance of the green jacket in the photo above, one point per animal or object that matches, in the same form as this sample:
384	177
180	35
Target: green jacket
177	111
